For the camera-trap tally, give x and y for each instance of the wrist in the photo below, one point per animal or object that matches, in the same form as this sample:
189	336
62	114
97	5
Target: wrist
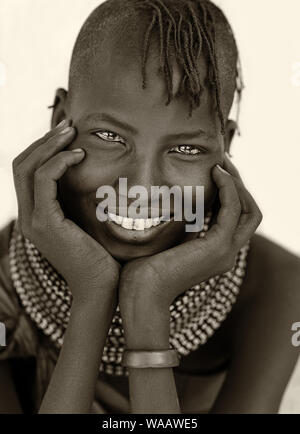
147	344
147	329
94	300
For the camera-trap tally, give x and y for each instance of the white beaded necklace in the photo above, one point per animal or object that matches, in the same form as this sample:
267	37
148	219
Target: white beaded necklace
194	315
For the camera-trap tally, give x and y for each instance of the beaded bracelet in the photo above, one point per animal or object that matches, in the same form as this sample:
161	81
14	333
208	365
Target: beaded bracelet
150	359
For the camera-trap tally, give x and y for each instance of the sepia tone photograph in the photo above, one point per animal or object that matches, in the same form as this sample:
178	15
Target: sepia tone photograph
149	217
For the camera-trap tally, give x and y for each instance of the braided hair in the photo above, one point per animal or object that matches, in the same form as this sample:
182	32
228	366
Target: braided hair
186	29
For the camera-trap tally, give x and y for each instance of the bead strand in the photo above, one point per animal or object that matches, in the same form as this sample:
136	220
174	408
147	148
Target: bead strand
194	315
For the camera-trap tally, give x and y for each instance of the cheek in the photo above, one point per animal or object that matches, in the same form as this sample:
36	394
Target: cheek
210	190
209	187
201	176
89	175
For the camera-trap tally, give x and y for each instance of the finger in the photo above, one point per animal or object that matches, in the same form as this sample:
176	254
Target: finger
46	177
48	149
196	255
251	215
24	174
245	196
250	219
230	210
230	167
21	157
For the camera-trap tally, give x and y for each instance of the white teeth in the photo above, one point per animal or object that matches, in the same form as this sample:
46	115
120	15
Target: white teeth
139	224
127	223
148	223
113	217
156	221
118	219
135	224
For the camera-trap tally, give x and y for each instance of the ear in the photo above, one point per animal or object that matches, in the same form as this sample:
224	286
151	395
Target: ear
59	107
230	129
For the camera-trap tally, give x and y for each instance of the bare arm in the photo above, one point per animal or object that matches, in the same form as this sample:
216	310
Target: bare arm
151	390
72	386
89	270
263	355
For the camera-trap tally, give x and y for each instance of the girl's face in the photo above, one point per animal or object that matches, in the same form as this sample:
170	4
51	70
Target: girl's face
129	132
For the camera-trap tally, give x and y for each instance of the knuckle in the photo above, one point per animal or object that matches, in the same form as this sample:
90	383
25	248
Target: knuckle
39	175
15	164
38	224
256	219
19	177
236	209
48	135
16	167
259	216
60	160
230	181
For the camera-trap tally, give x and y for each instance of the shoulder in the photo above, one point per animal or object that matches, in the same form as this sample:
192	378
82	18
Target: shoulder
20	333
5	235
272	270
261	329
269	301
8	297
273	254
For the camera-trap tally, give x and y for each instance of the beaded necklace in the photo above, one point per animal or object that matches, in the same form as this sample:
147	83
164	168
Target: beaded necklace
194	315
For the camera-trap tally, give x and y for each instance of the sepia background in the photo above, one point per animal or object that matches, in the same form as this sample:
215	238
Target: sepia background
36	39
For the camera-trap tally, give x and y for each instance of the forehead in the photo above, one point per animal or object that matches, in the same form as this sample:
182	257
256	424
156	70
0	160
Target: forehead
112	83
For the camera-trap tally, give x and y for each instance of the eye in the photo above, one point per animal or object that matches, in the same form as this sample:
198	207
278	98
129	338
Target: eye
187	150
109	136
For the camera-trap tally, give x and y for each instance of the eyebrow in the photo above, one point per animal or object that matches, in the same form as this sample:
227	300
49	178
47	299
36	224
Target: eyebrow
188	135
108	118
125	126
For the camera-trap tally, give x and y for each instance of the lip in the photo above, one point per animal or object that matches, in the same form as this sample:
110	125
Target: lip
121	213
132	236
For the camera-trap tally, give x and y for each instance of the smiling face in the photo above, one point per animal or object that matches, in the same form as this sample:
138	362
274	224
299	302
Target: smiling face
129	132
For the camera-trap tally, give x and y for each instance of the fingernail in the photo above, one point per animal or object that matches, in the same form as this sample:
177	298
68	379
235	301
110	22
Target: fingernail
77	150
66	130
62	123
222	170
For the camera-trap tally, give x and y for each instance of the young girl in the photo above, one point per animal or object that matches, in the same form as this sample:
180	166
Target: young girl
115	317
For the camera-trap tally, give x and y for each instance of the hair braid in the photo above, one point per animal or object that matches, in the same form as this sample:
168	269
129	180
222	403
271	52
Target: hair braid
185	29
188	47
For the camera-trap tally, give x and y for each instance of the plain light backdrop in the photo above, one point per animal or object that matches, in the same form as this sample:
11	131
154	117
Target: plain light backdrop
36	40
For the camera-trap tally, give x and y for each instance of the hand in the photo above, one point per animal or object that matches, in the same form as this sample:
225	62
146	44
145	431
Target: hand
149	285
86	266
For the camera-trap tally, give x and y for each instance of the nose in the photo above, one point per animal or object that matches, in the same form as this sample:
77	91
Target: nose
144	170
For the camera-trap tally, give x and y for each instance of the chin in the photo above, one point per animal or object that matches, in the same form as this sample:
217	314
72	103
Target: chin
130	254
123	252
